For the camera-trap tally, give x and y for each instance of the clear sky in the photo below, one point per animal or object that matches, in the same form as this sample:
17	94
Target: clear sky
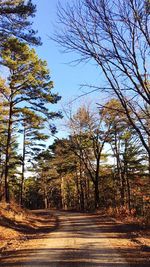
67	79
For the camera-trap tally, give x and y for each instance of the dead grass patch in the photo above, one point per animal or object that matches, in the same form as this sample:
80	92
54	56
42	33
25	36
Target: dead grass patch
17	225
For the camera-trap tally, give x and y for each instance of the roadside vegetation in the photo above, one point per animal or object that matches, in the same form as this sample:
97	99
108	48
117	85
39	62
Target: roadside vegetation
18	225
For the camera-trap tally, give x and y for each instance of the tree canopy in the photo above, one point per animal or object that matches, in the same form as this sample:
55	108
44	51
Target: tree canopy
115	34
15	21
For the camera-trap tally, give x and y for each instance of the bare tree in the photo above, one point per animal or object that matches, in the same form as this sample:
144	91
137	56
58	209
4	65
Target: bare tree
115	34
88	139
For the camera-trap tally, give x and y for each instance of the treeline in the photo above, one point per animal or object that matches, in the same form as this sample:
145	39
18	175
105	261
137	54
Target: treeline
25	97
102	164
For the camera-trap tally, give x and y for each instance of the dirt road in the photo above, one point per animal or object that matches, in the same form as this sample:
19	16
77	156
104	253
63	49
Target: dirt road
80	240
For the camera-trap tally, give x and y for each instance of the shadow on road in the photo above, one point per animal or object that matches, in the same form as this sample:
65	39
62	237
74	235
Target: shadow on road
71	258
81	240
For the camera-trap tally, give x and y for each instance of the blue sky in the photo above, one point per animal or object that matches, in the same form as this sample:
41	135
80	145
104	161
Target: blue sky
67	78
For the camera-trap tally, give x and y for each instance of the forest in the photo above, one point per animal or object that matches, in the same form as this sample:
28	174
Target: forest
104	162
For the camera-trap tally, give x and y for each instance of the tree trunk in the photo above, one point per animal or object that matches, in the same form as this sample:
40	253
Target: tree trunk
1	185
122	189
62	193
119	170
87	193
81	182
149	156
82	206
97	182
78	189
96	189
129	194
45	197
7	158
23	168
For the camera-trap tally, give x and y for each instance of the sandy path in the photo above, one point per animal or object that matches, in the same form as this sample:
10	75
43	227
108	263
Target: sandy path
80	240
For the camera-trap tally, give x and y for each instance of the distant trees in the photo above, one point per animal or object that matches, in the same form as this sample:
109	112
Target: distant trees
47	176
126	150
32	127
88	140
70	174
101	163
115	34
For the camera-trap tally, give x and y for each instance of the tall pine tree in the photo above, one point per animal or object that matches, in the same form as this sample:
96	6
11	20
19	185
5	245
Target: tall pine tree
29	86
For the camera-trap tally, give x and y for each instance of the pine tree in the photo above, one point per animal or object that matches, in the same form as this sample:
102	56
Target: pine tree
126	150
32	126
29	86
15	21
46	174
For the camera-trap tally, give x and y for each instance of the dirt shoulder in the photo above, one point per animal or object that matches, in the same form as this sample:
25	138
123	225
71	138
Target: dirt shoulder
135	228
18	226
139	234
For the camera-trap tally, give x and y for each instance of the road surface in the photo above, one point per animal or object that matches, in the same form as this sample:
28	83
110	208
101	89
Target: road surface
80	240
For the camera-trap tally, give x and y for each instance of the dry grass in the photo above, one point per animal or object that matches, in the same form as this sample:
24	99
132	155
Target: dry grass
140	233
17	225
10	215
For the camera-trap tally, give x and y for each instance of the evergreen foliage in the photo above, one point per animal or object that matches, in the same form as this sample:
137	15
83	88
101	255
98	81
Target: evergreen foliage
15	21
28	90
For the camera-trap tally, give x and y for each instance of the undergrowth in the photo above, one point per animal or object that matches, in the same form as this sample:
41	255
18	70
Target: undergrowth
131	216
